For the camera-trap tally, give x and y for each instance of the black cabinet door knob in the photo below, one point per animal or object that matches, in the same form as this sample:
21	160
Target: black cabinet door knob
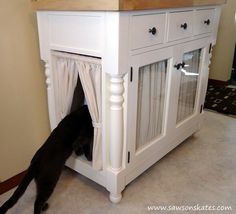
153	31
178	66
207	22
184	26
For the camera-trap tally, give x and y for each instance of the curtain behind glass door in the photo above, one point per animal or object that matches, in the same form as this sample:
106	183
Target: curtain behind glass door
188	84
151	98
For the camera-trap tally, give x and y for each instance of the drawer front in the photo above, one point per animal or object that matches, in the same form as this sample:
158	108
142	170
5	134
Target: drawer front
147	30
204	20
180	25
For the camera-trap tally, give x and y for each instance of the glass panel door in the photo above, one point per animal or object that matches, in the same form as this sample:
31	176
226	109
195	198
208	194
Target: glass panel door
151	99
188	84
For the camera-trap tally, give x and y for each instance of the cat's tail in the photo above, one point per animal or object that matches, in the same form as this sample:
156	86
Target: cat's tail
18	192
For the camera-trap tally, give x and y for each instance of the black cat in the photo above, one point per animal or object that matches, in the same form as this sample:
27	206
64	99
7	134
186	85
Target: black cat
74	132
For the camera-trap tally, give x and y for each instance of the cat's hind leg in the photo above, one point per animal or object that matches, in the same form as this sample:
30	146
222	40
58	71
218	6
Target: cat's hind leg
45	207
43	194
41	202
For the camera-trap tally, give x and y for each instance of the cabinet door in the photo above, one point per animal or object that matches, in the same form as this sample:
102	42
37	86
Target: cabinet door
148	105
189	83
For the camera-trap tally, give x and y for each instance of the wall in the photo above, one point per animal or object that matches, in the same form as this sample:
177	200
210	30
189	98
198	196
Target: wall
223	52
24	122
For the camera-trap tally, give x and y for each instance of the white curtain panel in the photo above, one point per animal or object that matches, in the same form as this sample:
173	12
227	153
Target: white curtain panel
90	76
151	98
65	76
66	68
188	85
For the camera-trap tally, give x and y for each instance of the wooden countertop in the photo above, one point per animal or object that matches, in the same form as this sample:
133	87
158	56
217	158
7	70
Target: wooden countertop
118	5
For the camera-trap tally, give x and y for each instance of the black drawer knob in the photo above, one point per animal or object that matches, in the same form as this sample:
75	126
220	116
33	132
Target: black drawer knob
153	31
184	26
207	22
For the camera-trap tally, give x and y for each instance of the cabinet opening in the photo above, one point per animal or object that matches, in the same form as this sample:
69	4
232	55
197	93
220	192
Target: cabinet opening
77	81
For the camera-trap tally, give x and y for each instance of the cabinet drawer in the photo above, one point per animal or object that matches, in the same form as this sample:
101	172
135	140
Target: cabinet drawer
147	30
204	20
180	25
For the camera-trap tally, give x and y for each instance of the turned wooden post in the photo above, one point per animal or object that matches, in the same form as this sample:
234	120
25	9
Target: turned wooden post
50	94
116	121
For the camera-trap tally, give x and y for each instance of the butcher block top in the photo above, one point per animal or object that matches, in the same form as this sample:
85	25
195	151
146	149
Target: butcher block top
118	5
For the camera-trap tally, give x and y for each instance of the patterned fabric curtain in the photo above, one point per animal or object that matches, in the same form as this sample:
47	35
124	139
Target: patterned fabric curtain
151	98
66	68
188	85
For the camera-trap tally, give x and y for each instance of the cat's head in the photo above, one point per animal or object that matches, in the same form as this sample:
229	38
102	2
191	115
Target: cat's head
83	145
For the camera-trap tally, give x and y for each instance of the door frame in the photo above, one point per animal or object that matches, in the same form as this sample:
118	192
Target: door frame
202	44
138	61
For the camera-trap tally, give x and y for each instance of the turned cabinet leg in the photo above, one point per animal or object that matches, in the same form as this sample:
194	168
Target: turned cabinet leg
116	99
115	197
50	94
116	121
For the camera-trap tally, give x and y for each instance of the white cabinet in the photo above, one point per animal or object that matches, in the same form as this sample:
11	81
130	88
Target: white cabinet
165	96
153	83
